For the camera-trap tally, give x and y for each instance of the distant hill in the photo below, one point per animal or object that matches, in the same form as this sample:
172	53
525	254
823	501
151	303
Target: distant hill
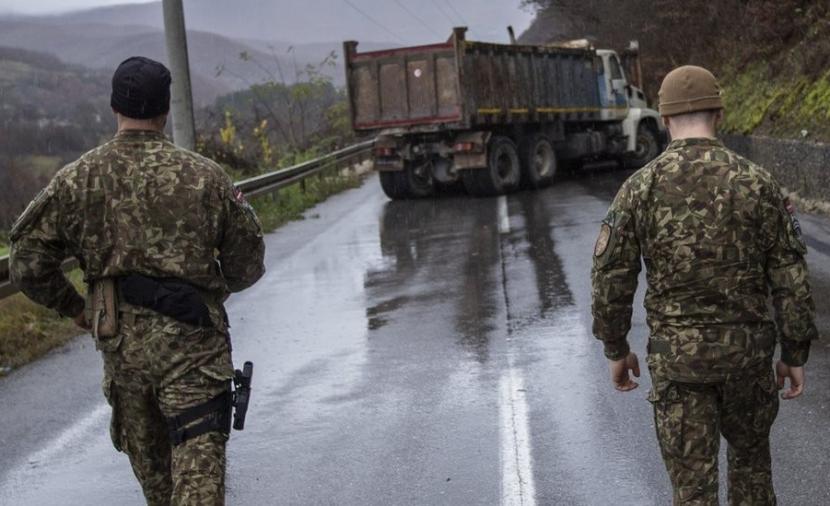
50	112
104	46
39	92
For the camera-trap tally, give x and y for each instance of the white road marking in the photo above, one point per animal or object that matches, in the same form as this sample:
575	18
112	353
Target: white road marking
504	218
75	436
517	487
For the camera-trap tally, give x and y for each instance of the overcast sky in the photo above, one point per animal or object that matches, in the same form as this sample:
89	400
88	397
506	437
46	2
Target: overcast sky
52	6
308	21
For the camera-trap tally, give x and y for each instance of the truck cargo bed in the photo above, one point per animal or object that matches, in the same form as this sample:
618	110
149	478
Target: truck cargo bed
460	84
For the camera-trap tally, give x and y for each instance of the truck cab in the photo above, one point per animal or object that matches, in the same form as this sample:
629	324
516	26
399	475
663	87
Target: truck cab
623	100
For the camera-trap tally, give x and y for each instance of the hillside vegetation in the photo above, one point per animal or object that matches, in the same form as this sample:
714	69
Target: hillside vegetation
772	57
50	112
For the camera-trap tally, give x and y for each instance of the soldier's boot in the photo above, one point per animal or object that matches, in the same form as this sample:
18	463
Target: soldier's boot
686	419
749	410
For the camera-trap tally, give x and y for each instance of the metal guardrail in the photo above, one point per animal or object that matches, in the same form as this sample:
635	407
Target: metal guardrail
259	185
273	181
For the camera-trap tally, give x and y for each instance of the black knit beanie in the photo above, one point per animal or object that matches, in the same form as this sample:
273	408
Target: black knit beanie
141	88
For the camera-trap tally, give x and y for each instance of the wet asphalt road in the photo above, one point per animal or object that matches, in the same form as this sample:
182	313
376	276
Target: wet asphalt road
434	352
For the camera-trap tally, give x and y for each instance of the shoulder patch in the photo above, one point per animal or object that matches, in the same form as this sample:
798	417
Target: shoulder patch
239	196
602	240
31	213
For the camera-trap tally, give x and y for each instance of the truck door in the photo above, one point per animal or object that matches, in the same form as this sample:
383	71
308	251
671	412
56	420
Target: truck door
615	98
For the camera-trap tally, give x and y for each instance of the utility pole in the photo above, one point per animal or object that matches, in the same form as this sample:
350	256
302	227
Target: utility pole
181	102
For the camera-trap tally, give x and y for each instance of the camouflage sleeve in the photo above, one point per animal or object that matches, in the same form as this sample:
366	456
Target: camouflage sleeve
38	249
616	267
241	249
787	276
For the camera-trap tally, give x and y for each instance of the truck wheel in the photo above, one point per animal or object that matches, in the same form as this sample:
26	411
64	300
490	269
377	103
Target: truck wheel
539	165
647	147
414	181
502	174
393	184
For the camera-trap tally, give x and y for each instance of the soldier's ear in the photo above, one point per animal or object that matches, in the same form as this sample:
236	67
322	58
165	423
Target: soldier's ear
160	121
718	118
666	123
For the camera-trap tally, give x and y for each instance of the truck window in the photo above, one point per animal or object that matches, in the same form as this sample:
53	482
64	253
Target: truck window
616	72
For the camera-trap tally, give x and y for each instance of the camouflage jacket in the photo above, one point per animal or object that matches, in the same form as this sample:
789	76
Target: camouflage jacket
137	204
717	236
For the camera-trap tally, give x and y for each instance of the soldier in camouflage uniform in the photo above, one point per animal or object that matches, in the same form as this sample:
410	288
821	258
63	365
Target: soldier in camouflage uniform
138	208
717	236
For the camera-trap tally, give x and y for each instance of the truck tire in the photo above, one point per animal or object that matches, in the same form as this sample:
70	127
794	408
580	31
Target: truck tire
539	164
648	147
502	174
414	181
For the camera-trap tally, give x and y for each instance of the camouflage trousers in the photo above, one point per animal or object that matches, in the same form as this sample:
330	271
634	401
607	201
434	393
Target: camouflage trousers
690	419
154	369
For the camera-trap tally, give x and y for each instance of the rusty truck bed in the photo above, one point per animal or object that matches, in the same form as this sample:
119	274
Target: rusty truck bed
460	84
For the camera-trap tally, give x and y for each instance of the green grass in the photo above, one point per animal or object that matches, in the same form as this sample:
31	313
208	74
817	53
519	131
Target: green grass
28	330
290	203
4	250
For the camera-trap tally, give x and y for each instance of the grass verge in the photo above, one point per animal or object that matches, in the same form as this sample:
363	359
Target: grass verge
290	203
28	330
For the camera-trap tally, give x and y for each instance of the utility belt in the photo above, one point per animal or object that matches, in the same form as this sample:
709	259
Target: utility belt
171	297
182	302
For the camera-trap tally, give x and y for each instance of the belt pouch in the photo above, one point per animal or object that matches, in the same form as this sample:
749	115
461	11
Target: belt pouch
104	306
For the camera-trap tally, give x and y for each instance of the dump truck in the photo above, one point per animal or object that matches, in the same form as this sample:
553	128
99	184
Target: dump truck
496	117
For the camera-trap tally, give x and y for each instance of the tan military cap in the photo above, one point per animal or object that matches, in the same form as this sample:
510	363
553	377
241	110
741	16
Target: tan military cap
688	89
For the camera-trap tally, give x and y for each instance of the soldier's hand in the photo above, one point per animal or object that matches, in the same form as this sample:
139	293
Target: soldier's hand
796	375
82	322
619	372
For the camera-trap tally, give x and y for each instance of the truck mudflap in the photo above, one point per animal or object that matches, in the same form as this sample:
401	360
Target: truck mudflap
387	154
470	150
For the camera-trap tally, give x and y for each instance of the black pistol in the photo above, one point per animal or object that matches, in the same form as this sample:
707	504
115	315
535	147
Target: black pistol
241	394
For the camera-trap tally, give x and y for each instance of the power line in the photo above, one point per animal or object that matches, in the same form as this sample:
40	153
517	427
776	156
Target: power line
449	18
417	18
377	23
449	3
438	6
